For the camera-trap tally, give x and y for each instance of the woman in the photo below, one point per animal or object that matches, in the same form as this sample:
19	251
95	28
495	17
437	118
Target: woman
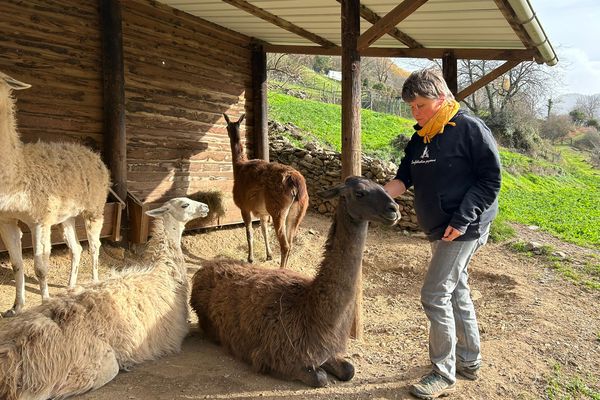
453	163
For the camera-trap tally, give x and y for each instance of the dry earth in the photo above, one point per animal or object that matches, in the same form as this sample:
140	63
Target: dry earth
531	320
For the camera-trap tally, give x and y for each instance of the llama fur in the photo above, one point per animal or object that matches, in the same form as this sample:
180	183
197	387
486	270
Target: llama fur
44	184
79	341
266	189
285	323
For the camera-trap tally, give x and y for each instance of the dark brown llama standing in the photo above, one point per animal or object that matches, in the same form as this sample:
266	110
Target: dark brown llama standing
267	189
287	324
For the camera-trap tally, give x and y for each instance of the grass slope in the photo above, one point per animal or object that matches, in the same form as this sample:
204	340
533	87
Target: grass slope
561	199
324	121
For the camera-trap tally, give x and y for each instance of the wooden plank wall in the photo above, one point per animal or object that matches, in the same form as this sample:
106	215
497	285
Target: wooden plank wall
54	46
181	74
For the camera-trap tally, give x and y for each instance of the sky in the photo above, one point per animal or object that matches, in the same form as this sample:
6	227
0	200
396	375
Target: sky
573	28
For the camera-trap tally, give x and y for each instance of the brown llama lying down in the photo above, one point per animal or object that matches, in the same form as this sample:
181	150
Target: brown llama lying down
287	324
267	189
79	341
44	184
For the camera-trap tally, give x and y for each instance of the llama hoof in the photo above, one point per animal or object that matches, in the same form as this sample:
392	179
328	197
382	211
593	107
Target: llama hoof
315	377
347	371
340	368
9	313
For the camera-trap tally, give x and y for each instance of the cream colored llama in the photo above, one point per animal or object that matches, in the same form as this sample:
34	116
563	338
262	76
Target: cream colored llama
79	341
44	184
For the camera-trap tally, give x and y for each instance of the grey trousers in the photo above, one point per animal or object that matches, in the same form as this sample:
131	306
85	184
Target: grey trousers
446	299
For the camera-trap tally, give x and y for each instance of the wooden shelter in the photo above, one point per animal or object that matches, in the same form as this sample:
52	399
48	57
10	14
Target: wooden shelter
146	82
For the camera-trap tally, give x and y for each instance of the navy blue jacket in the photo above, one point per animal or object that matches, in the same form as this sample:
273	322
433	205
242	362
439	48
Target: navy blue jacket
456	178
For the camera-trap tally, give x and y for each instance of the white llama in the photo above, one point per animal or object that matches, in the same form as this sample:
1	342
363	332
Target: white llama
44	184
79	341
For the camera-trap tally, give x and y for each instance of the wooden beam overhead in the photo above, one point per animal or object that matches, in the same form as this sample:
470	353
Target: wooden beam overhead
467	54
371	16
484	80
389	21
280	22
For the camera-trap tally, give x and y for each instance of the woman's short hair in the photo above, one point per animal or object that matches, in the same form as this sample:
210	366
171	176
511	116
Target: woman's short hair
428	83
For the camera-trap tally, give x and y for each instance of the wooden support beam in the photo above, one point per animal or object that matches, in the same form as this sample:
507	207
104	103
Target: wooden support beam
484	80
467	54
113	74
280	22
371	16
450	71
351	143
259	91
388	22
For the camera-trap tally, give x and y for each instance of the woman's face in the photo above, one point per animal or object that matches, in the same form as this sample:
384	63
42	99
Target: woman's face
423	108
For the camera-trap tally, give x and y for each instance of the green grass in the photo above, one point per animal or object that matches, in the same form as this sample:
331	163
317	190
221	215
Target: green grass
561	387
564	202
562	199
324	121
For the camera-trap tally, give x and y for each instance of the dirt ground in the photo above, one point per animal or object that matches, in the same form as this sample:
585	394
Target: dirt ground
531	320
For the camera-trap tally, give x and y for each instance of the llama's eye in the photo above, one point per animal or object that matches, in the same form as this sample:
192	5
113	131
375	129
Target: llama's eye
186	205
360	193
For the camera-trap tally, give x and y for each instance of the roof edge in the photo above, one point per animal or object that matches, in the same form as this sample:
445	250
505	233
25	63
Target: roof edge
531	24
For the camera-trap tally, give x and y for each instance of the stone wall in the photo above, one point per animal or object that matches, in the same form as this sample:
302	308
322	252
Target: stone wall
322	169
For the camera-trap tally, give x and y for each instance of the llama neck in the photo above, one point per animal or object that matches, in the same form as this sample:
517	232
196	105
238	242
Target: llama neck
165	247
334	288
10	143
238	154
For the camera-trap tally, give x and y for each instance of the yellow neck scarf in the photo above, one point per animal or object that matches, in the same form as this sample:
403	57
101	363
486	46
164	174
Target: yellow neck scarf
439	120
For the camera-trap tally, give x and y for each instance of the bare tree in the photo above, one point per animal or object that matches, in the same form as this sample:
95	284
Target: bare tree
589	105
527	83
284	68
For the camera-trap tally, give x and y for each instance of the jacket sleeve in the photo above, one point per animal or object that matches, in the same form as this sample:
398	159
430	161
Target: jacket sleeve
403	172
485	162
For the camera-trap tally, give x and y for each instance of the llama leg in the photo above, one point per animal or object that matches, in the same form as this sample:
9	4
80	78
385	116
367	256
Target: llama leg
108	369
284	245
264	227
247	217
340	368
70	236
315	377
11	236
93	228
100	368
41	256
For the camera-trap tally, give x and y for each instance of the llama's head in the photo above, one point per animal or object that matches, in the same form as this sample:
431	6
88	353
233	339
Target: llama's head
233	128
180	209
365	200
7	84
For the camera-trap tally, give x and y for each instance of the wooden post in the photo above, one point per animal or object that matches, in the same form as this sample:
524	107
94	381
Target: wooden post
351	146
115	151
450	71
259	98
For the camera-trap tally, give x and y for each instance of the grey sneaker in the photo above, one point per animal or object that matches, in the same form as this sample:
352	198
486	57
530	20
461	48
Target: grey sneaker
432	386
470	373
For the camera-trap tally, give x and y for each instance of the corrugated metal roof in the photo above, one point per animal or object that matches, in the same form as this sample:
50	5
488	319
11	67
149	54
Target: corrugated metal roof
448	24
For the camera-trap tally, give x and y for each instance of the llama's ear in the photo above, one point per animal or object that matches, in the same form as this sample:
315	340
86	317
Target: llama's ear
15	84
157	212
241	118
226	118
331	192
